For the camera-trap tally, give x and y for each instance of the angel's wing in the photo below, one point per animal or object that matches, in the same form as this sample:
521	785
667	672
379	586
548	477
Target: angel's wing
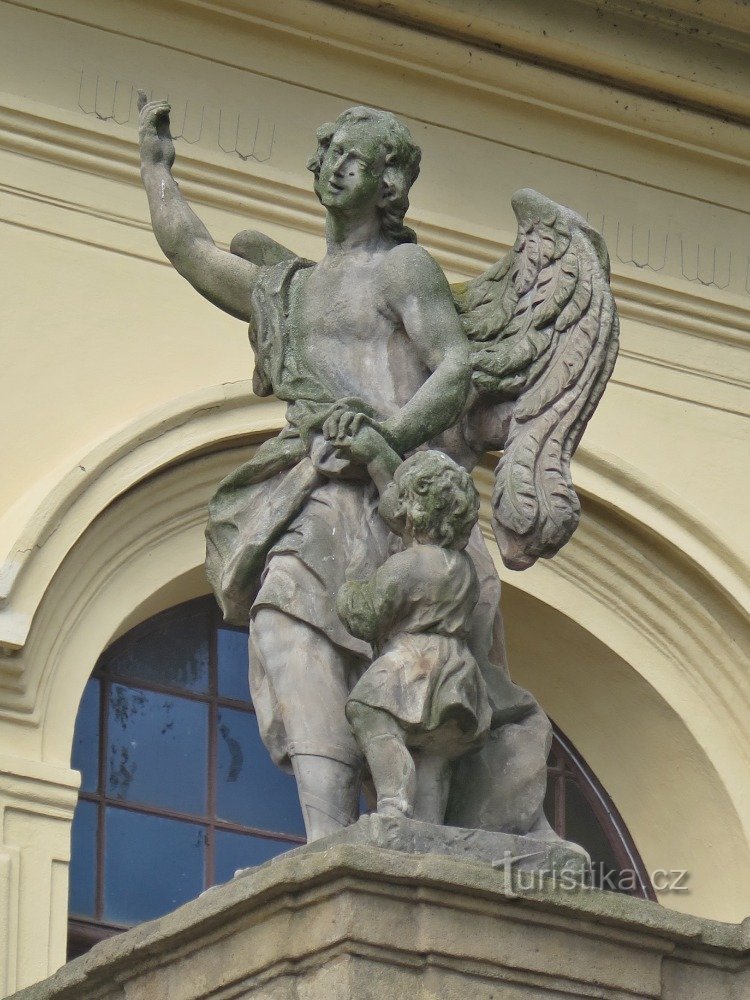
544	332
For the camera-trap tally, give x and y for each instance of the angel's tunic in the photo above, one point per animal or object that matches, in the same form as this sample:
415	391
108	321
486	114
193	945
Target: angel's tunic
416	610
278	504
283	535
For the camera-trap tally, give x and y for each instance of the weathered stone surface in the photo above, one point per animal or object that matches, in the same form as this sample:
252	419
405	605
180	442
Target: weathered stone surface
396	833
360	923
376	357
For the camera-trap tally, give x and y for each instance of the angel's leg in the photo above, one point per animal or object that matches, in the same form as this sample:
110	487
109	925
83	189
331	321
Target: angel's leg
299	685
391	765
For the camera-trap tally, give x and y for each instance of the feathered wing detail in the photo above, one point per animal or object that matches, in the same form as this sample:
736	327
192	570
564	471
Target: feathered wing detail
544	331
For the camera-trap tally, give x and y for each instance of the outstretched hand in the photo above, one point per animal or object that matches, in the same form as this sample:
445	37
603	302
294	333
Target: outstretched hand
153	131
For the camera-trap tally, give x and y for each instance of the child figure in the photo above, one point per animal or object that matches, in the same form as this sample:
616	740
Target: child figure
423	702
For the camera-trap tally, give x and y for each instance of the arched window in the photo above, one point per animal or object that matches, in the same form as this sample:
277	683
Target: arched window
178	791
580	810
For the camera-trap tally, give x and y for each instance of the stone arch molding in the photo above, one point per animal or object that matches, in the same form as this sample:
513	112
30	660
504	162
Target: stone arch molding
223	413
642	574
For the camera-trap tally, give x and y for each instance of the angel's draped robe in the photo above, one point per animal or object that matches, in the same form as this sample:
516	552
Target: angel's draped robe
283	535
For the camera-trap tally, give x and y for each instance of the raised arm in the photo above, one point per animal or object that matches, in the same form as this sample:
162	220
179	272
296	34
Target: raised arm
417	291
223	278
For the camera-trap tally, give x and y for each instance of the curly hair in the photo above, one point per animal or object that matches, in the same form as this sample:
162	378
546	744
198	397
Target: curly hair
436	499
402	158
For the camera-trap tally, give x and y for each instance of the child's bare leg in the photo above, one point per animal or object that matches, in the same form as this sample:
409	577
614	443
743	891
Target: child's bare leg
433	784
391	764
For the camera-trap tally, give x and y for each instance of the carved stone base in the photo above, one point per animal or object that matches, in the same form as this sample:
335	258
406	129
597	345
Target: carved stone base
352	922
500	850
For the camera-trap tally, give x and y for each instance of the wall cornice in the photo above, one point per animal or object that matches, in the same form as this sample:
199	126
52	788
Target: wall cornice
546	34
429	37
527	54
718	20
110	152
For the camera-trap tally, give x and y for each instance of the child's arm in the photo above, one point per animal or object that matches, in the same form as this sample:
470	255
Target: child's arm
368	609
356	609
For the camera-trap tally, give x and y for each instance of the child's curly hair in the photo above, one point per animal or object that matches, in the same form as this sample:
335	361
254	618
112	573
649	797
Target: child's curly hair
402	157
435	499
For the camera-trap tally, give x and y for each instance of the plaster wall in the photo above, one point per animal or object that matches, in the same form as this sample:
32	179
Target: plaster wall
636	639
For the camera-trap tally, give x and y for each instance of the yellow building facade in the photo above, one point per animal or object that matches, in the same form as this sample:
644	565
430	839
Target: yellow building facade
126	398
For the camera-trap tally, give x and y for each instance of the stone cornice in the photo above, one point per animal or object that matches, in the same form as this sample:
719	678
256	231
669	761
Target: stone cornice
717	20
537	33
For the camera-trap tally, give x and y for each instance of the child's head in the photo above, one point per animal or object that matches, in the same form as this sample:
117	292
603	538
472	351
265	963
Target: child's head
432	499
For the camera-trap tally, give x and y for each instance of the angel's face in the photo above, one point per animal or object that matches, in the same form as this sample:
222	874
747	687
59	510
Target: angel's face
351	174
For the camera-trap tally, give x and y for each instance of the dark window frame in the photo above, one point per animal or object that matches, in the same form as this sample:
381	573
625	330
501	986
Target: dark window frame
564	764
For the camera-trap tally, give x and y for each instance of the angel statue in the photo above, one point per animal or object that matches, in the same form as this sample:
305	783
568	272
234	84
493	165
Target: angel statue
371	349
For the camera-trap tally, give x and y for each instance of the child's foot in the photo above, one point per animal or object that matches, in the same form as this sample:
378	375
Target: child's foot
394	806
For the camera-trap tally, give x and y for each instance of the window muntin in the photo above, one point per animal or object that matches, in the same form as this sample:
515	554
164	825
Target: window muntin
177	789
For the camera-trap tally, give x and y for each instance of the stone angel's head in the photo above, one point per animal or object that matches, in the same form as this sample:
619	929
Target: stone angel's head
367	160
431	500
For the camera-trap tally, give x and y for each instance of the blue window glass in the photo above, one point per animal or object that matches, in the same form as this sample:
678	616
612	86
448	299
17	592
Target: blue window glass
86	739
172	648
232	655
240	850
151	865
157	698
158	749
250	789
83	860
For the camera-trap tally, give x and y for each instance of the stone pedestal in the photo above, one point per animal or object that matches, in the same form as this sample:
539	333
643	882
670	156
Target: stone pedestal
508	851
356	922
